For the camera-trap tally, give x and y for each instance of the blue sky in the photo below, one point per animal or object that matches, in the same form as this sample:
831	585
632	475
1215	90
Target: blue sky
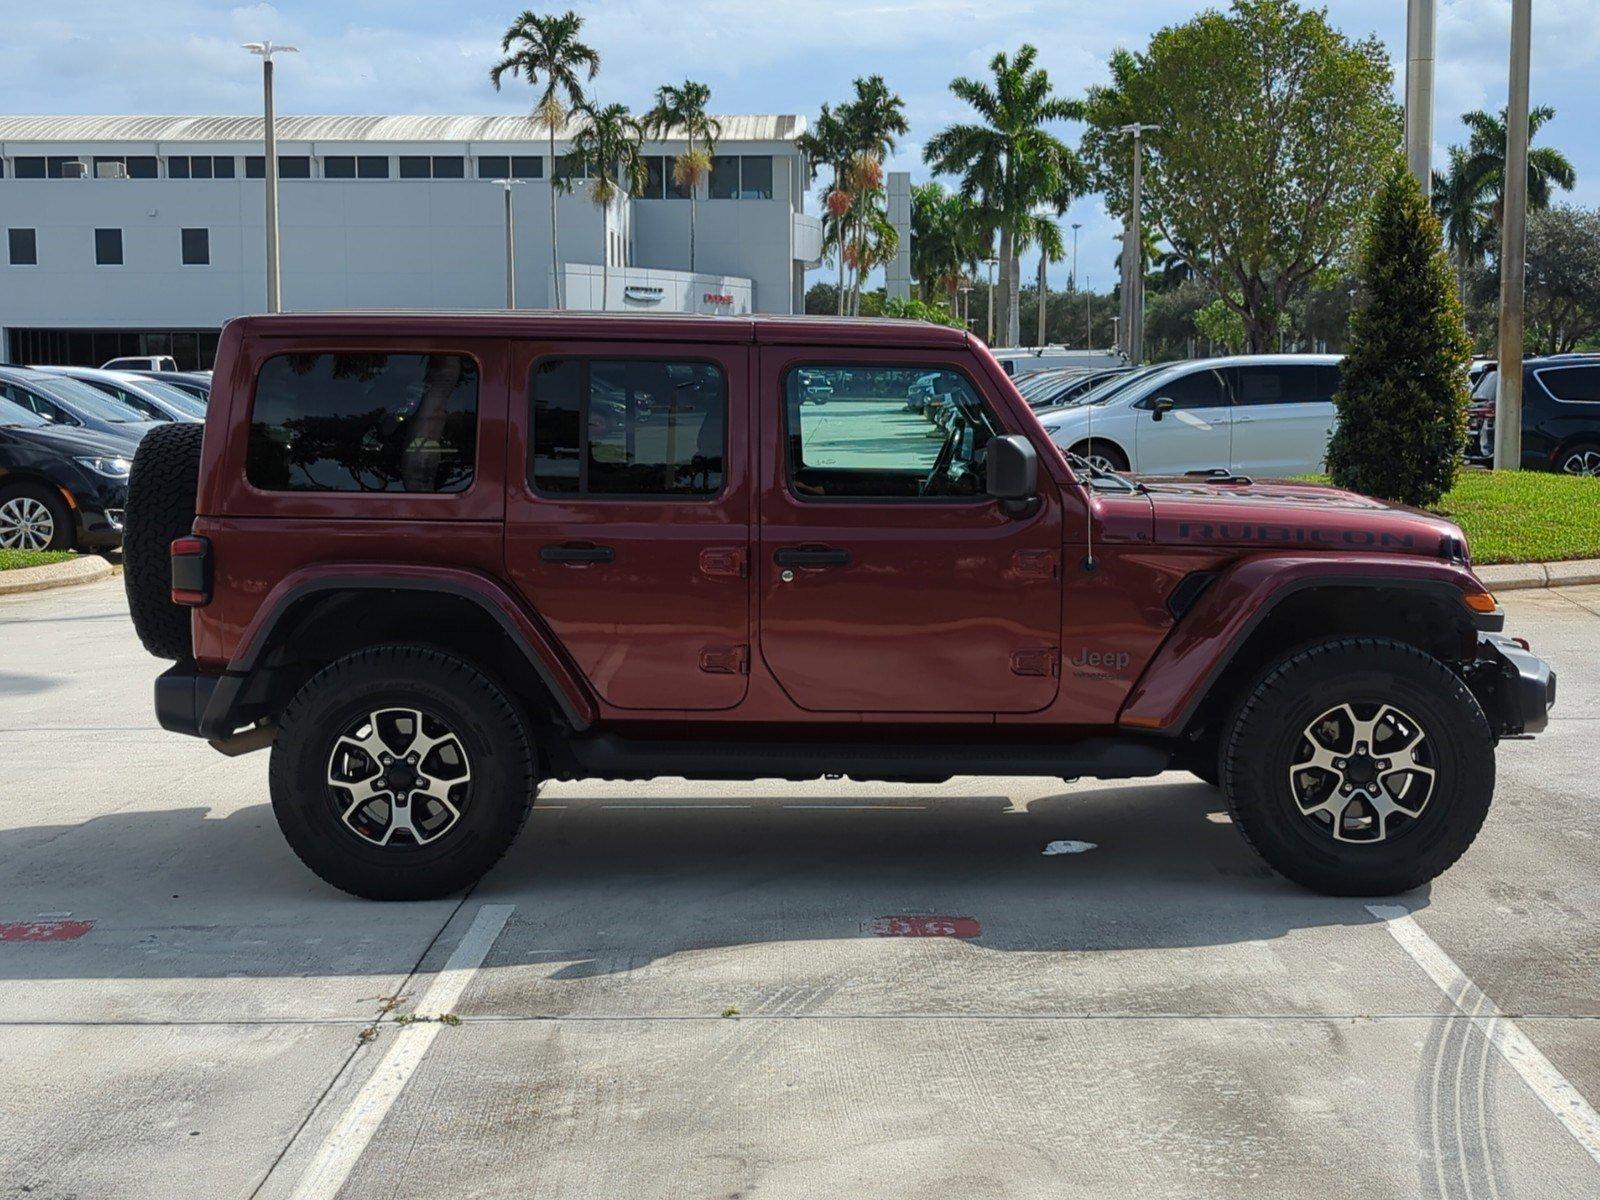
426	56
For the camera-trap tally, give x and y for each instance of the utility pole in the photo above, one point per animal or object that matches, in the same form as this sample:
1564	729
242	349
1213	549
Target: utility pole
1513	247
1088	318
1420	25
1133	252
511	244
270	170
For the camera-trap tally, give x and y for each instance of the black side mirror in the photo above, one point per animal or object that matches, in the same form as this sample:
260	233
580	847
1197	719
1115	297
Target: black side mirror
1160	407
1012	468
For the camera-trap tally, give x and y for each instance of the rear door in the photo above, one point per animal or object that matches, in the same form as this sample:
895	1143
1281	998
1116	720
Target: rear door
1196	435
888	580
1282	416
628	506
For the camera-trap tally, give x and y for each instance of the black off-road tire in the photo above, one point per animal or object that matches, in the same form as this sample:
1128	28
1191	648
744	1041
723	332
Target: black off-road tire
1262	742
161	498
492	731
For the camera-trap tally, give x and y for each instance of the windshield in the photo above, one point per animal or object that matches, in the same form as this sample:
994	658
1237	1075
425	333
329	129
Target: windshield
1041	381
1488	387
175	397
86	400
1115	386
13	416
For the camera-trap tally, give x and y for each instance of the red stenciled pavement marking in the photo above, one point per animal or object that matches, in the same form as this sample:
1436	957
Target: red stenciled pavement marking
916	926
43	931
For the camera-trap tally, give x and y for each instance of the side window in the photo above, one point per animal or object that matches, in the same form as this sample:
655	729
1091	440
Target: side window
884	433
1197	389
138	403
37	404
628	427
1288	384
364	423
1573	384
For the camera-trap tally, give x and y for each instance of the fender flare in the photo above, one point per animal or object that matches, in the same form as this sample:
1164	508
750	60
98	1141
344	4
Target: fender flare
1204	641
565	685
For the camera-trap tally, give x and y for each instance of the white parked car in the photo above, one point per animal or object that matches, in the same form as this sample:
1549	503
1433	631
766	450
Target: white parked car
1262	414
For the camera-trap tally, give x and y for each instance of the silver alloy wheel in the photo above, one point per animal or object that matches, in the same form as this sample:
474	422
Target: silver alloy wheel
26	524
1359	768
1583	462
399	771
1100	462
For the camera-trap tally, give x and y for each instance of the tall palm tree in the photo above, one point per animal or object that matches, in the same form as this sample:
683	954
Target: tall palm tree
1459	203
827	144
549	54
608	148
948	237
681	111
1009	163
1486	160
872	122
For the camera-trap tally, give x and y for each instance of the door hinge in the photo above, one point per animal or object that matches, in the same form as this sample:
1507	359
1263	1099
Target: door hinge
1036	660
1034	564
727	561
725	660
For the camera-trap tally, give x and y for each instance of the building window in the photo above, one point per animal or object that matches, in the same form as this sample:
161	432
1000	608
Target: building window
24	247
29	167
628	428
372	166
416	166
724	177
32	167
755	177
339	166
290	166
137	166
108	247
449	166
569	167
512	166
196	247
436	166
364	423
200	166
656	167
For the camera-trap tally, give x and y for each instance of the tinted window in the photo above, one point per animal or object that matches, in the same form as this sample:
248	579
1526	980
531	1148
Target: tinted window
30	168
85	398
625	427
490	166
1197	389
339	166
527	166
724	176
372	166
196	247
108	247
415	166
1290	384
222	166
755	179
200	167
1572	383
1488	386
655	179
851	435
294	166
448	166
364	423
12	413
24	247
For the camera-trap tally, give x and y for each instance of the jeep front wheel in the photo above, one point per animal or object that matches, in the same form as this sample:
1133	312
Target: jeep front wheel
401	773
1359	767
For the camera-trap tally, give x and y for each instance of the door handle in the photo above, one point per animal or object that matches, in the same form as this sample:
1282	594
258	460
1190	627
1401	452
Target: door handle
811	556
576	553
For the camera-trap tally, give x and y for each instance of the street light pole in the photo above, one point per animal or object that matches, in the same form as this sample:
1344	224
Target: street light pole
990	262
511	244
1076	282
1420	25
1513	247
1044	292
270	169
1133	251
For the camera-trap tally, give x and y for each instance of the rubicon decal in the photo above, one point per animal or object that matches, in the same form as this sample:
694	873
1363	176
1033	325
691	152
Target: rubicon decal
1295	535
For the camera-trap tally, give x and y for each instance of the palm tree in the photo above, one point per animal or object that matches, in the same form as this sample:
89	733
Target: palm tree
548	52
681	111
948	237
1486	160
608	148
872	121
826	144
1459	203
1010	164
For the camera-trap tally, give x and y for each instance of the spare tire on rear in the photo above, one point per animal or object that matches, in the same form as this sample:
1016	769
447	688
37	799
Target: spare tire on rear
161	499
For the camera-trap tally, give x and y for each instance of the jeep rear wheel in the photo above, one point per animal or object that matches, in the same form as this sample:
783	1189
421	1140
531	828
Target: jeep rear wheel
401	773
1359	767
161	499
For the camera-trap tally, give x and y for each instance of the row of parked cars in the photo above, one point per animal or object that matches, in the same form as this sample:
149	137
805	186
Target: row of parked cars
67	439
1272	414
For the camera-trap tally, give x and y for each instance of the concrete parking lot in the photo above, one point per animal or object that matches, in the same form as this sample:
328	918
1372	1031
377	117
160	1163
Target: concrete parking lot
687	990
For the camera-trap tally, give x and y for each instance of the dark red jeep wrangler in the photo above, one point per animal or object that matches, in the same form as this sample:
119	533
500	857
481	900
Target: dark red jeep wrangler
433	560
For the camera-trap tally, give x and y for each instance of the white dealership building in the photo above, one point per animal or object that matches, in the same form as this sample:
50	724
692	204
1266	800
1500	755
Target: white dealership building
142	235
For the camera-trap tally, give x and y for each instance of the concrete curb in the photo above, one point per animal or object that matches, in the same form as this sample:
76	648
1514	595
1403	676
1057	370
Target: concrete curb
86	568
1512	576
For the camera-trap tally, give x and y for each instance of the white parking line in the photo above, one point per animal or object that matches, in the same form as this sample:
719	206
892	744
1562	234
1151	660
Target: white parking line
342	1148
1549	1084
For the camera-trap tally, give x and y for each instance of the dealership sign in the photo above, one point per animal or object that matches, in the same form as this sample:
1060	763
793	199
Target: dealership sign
639	294
718	298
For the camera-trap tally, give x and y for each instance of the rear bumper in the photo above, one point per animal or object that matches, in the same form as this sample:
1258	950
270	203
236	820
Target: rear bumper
190	701
1521	687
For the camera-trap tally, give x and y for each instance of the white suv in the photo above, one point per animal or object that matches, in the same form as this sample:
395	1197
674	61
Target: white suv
1262	414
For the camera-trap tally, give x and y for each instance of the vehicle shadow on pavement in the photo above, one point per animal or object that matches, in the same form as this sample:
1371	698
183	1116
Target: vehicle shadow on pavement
605	885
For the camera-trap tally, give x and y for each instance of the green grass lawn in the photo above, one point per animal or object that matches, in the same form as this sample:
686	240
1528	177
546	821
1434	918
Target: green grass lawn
11	560
1524	516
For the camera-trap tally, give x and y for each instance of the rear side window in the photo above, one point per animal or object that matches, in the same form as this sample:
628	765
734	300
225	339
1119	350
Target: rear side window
1287	384
364	423
628	427
1572	383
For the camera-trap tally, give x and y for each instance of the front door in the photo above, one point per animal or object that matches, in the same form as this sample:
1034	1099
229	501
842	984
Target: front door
628	516
1195	435
888	580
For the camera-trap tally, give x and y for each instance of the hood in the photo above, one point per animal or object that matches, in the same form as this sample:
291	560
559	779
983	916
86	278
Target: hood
1284	515
74	441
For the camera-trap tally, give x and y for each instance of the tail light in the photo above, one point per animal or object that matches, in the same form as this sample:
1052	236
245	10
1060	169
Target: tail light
191	571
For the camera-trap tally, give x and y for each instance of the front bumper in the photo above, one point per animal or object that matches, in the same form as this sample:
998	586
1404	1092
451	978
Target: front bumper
1516	687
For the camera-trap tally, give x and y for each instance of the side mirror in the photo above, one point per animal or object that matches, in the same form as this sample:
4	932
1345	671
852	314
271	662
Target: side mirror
1160	407
1012	468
